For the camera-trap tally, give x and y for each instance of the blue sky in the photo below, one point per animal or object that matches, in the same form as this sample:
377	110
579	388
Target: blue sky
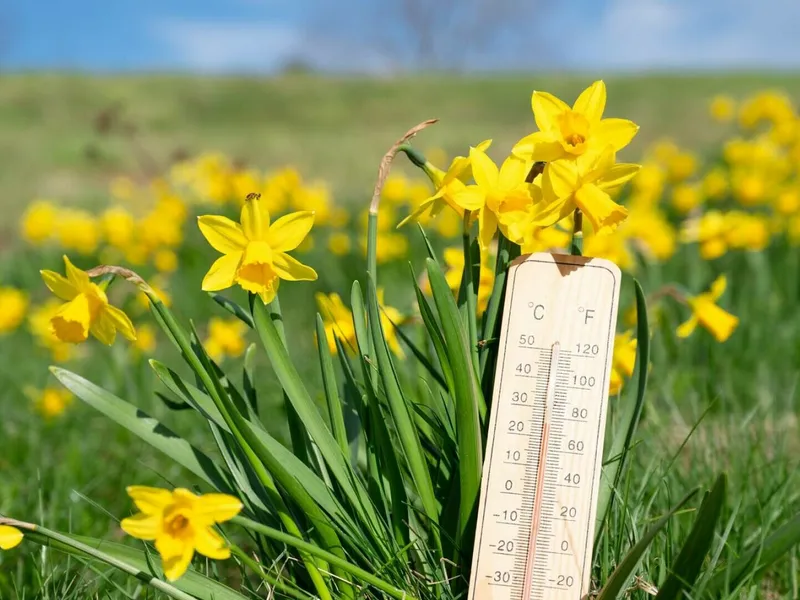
367	36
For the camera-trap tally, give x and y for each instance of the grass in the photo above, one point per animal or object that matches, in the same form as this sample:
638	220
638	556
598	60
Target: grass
711	407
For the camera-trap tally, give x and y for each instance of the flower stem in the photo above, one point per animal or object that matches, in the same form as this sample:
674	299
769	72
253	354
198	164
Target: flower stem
576	247
345	565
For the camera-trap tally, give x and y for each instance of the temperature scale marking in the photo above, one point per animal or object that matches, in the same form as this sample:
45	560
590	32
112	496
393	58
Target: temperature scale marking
538	498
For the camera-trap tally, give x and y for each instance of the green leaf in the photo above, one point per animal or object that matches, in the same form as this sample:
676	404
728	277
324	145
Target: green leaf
686	567
419	355
233	308
329	385
192	585
300	399
621	443
468	400
401	416
756	559
149	429
616	582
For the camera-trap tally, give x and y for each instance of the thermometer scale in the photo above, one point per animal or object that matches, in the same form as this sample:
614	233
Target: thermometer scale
536	517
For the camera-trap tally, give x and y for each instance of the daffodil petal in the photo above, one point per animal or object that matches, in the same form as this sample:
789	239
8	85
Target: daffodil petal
102	328
176	565
617	176
546	109
687	328
141	526
217	507
718	287
291	269
487	227
149	500
59	285
9	537
223	234
72	321
484	171
539	146
513	172
79	279
222	273
267	295
470	198
560	179
209	543
121	322
615	132
255	219
288	232
592	102
603	213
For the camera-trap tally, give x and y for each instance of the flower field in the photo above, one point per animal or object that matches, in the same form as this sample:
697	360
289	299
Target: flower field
199	402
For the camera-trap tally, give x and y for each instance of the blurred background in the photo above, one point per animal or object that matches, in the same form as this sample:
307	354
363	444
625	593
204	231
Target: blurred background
327	85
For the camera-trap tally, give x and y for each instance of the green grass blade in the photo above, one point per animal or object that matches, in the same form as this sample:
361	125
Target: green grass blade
233	308
149	429
689	562
434	332
756	559
191	586
622	439
468	401
401	416
468	293
330	387
289	465
492	317
249	378
419	355
349	567
428	246
311	418
616	583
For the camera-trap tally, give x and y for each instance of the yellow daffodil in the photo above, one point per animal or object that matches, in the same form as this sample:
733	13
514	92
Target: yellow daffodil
623	361
225	338
180	523
499	196
705	312
686	197
145	339
9	537
722	108
566	132
454	260
614	247
13	305
710	232
339	243
119	226
50	402
715	183
447	184
585	183
544	239
165	261
39	222
652	234
338	322
681	166
39	326
787	202
86	310
255	251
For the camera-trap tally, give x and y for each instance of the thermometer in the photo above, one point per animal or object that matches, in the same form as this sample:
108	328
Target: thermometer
536	516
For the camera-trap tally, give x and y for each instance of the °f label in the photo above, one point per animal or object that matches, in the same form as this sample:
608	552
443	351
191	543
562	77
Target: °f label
536	516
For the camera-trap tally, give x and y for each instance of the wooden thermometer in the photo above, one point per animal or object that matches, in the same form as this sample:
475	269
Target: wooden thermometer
536	517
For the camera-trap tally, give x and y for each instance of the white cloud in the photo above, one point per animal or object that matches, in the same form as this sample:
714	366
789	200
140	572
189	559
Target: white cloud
261	47
642	34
